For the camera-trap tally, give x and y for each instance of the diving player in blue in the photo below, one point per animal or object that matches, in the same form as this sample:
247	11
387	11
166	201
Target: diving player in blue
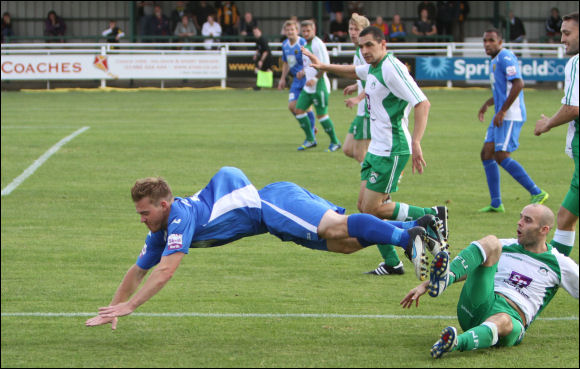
293	64
230	208
503	133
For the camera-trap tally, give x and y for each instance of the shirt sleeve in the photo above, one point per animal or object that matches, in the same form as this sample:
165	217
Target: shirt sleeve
362	71
569	274
511	67
151	253
399	81
180	228
571	85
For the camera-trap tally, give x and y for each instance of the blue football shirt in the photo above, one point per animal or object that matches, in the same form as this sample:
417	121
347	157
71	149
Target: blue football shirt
292	54
504	69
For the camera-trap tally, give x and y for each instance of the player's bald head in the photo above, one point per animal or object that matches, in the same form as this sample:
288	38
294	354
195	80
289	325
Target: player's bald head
543	214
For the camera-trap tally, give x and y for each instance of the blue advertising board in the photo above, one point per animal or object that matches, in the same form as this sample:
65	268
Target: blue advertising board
465	69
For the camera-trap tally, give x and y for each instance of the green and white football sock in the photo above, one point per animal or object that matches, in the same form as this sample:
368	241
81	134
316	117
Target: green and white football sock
563	241
329	128
305	125
468	259
405	212
482	336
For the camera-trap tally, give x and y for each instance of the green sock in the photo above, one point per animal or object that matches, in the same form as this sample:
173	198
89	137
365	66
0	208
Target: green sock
405	212
468	259
476	338
305	125
389	255
329	129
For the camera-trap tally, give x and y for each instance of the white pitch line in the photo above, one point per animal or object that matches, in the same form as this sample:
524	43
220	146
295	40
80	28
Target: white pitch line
31	169
252	315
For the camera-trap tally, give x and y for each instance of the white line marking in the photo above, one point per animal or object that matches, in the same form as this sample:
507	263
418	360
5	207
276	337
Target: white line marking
251	315
31	169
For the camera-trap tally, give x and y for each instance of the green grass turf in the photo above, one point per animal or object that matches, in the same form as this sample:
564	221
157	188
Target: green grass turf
69	232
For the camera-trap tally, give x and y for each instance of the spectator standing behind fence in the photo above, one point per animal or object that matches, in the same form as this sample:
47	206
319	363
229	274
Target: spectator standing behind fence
397	30
159	24
113	33
177	14
553	25
380	24
517	29
6	26
210	29
201	10
228	17
459	30
338	28
447	17
54	26
247	25
431	9
424	27
185	30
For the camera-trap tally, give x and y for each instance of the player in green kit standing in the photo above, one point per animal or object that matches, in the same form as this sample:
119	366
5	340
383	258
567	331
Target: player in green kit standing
391	92
565	233
317	88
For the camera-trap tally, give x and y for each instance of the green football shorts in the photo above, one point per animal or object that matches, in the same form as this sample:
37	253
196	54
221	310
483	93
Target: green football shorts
361	127
478	301
571	200
319	99
382	172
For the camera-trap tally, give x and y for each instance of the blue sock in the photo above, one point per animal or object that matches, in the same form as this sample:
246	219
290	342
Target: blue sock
312	120
370	230
404	225
519	173
492	174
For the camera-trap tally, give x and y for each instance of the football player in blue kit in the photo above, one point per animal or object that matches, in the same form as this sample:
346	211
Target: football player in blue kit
230	208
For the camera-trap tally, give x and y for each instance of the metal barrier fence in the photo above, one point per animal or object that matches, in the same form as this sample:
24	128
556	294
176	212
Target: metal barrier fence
225	50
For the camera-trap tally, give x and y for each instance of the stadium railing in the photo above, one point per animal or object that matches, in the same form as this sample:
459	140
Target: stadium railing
444	49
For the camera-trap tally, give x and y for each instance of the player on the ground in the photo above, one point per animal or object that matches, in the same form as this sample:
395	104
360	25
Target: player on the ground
509	283
565	233
230	208
293	64
358	136
502	137
391	93
316	90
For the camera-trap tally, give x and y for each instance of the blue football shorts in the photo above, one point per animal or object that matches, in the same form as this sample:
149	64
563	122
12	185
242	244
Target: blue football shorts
506	137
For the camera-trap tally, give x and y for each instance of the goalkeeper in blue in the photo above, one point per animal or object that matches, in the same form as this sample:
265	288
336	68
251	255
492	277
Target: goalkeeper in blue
230	208
508	283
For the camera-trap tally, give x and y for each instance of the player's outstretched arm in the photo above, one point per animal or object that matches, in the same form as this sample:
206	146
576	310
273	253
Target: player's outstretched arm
413	295
347	71
128	286
158	279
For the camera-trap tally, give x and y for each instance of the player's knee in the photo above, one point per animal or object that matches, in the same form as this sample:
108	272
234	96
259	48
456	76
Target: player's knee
492	248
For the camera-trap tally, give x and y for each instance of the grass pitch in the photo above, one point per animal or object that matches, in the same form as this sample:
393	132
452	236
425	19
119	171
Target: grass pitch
69	232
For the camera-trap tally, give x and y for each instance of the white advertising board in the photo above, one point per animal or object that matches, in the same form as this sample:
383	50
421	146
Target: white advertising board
129	66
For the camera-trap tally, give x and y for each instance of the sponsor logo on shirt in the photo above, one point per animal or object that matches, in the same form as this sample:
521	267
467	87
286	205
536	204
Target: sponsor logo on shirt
511	70
175	241
519	282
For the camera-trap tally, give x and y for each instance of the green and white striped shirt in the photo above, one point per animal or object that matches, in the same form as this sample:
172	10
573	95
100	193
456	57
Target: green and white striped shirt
571	98
531	280
317	47
391	92
359	60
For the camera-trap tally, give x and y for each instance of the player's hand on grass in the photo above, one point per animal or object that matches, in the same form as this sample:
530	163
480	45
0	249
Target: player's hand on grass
113	311
315	63
99	320
413	295
542	125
